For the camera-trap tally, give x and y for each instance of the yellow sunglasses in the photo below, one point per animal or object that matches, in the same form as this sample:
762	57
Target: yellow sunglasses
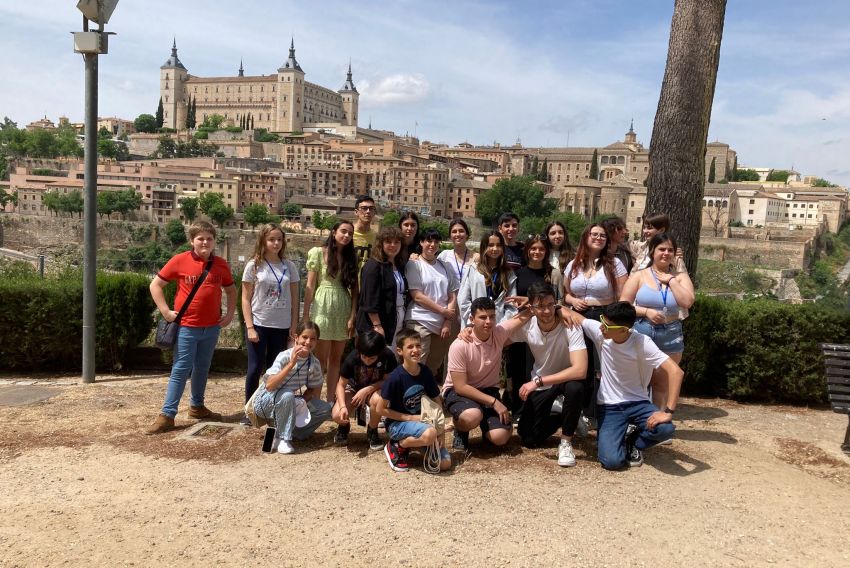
606	326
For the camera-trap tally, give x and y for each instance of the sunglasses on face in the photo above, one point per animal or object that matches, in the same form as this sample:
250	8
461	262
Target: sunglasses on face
607	326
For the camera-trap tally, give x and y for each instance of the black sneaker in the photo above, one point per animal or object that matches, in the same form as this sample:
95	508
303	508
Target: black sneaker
460	440
374	439
341	436
634	455
396	458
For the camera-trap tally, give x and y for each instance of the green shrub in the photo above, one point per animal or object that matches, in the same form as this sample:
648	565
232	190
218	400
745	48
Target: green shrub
44	331
760	350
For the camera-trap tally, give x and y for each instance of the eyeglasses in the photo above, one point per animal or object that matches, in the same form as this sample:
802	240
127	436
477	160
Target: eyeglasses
366	209
551	306
607	326
599	236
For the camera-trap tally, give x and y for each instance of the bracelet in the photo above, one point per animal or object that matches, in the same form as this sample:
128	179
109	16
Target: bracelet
249	327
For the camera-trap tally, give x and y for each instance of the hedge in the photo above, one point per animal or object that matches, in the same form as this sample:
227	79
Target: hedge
760	350
41	321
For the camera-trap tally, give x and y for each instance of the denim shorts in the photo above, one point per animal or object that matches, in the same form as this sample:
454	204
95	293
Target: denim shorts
667	337
401	430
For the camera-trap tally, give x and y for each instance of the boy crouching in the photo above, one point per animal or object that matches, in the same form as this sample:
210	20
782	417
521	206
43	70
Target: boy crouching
401	397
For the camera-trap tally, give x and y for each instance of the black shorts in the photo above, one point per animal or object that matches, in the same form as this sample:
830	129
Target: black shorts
456	404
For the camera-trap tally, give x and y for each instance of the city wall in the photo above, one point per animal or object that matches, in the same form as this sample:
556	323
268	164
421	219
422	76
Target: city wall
772	254
40	235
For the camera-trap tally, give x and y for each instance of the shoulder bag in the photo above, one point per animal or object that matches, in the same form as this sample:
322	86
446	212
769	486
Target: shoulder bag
166	331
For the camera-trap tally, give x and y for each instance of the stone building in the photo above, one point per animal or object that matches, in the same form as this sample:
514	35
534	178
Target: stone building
279	102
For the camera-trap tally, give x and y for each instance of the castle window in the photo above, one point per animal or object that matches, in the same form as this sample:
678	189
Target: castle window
166	76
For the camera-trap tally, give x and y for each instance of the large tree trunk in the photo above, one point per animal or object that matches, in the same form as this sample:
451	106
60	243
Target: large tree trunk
677	149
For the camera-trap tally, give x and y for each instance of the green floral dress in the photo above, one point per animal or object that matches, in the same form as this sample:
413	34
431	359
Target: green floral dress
331	305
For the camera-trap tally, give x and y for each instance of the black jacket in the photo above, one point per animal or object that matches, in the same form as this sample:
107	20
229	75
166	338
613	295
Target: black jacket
378	295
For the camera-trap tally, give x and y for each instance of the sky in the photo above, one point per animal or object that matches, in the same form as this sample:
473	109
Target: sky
549	73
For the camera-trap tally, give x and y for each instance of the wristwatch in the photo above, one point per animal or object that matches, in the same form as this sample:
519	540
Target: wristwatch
668	410
538	380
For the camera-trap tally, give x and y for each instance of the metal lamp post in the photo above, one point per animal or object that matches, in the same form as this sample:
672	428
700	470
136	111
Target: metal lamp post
91	44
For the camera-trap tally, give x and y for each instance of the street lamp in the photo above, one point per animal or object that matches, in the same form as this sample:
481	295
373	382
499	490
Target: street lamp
91	44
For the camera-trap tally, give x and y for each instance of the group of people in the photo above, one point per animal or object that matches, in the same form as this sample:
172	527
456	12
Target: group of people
591	334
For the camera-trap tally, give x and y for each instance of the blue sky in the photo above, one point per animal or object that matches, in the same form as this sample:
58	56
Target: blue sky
480	71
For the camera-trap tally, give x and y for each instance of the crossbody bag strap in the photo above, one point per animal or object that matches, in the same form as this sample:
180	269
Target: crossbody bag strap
194	291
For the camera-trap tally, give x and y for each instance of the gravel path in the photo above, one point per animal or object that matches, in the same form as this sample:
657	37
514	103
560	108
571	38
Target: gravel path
742	485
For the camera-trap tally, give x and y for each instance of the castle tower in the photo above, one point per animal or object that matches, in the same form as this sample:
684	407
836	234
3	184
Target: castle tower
350	101
289	115
631	137
172	76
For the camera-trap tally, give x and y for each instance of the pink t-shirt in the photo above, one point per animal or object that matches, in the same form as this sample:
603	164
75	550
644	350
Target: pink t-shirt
480	360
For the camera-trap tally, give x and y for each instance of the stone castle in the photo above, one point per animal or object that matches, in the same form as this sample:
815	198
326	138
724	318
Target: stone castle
282	102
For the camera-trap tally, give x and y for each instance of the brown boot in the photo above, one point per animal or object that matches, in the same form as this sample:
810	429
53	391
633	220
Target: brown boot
203	413
162	424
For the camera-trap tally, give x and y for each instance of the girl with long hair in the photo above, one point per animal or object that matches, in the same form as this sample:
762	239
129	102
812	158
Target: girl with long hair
460	259
269	302
536	268
330	297
490	277
592	281
409	224
383	287
660	295
561	252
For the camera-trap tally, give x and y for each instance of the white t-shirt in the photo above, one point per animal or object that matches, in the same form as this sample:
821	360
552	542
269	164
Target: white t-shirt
551	349
271	304
625	373
597	286
452	264
435	281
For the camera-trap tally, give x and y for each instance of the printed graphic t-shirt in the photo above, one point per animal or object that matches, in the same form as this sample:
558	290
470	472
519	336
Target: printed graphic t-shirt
271	304
404	392
186	268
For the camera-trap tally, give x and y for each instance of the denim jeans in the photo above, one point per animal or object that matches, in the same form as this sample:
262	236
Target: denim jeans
613	421
193	352
261	355
280	407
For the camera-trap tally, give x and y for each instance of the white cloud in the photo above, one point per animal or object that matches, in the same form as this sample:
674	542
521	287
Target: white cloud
394	89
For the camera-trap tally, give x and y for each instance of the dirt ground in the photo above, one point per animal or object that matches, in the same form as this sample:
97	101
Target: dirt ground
741	485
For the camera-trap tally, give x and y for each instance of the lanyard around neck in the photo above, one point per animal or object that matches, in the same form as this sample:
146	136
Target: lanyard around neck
282	276
462	266
661	288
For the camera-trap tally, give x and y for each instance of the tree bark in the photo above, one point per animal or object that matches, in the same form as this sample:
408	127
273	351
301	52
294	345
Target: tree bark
676	177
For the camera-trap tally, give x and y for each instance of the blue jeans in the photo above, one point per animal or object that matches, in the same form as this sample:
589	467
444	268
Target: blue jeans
280	407
261	355
613	421
193	353
398	431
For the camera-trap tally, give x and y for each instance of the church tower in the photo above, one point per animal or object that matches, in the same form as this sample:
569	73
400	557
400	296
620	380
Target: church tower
289	114
350	100
631	137
172	77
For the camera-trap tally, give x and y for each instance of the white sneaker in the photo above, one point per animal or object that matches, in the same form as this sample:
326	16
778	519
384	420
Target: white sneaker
285	447
566	457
